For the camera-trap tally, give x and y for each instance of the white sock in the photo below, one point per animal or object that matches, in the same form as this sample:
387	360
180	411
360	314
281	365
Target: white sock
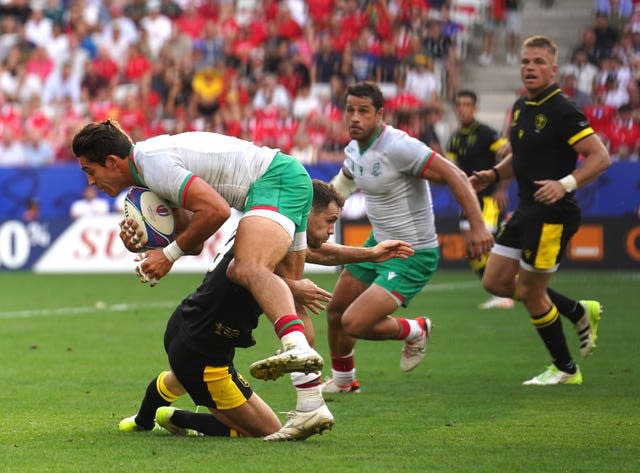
343	378
295	339
307	399
415	330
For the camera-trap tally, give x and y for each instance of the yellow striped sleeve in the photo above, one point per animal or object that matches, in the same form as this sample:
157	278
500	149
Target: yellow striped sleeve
581	134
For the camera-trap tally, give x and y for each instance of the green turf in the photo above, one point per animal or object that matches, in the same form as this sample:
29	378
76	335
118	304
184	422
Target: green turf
78	351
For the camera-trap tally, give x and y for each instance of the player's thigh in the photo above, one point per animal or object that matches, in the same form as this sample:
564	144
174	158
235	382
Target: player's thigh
292	265
261	240
254	418
370	307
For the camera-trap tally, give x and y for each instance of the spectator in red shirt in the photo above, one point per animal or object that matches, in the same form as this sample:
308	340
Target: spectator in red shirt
191	22
137	64
286	25
291	77
600	114
105	66
353	19
624	135
40	63
320	13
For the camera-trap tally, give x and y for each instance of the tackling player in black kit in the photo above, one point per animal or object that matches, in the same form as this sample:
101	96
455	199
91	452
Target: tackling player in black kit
475	146
207	326
547	134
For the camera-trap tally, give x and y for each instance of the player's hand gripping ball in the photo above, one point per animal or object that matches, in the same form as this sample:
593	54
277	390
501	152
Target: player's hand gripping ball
153	216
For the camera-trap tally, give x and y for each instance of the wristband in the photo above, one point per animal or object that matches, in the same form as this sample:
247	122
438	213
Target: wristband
172	251
497	174
569	183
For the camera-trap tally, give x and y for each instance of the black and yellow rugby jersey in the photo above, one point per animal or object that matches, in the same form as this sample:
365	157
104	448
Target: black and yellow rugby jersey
219	315
543	132
473	148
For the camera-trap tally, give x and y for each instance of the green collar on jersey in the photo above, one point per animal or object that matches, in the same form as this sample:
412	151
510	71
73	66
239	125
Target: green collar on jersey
134	170
375	137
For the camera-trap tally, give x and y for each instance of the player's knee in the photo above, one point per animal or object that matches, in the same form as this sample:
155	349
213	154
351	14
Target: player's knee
490	286
527	294
497	286
172	384
241	273
334	316
354	327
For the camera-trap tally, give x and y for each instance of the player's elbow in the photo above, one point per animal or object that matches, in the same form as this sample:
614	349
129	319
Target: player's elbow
215	216
606	161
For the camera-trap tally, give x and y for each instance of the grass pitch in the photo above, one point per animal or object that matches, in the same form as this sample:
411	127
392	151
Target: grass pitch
78	352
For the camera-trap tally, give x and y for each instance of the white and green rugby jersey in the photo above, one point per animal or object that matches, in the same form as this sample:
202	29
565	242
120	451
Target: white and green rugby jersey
167	164
390	173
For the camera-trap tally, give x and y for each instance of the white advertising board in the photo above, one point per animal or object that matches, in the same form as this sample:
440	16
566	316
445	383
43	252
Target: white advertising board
92	245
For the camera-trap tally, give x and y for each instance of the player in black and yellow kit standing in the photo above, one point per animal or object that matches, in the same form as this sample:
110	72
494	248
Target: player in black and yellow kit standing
475	146
547	134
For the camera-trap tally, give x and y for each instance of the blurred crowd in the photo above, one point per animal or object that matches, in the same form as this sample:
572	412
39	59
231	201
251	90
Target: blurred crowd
272	72
602	75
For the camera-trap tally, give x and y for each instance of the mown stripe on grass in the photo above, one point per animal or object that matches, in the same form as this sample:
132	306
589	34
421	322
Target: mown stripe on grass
98	307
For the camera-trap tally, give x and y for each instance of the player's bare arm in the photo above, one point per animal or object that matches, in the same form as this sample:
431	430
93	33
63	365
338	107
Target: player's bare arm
479	239
596	161
313	297
210	211
332	254
503	171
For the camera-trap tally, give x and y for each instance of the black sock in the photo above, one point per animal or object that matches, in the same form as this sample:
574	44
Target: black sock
152	400
549	328
568	307
204	423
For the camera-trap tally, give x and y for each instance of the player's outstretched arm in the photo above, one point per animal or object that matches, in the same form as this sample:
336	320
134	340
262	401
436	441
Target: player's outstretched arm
332	254
479	240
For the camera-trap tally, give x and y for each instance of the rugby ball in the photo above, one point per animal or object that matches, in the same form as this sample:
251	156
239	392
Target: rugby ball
153	216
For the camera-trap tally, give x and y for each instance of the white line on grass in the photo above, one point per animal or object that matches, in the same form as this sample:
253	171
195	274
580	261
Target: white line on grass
98	307
102	307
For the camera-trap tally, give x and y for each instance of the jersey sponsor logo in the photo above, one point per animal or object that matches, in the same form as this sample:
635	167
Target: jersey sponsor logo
224	331
390	275
540	122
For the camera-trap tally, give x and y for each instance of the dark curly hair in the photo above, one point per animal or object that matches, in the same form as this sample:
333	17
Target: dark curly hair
98	140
